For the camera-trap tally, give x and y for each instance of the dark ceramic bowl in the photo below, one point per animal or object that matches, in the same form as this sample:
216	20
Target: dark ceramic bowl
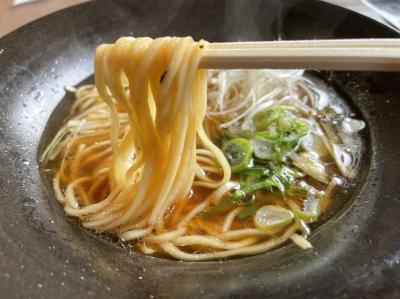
45	255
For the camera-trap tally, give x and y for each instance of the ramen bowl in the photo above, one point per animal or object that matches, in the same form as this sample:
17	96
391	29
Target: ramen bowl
45	254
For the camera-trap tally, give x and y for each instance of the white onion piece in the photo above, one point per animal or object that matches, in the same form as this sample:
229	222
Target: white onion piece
310	163
313	143
301	241
344	161
311	206
351	126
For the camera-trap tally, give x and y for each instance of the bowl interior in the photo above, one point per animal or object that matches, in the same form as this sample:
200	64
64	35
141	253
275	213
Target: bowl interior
43	254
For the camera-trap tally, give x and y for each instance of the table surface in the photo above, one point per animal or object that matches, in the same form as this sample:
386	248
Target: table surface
14	13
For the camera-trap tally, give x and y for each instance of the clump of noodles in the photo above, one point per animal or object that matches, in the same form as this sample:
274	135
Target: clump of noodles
135	146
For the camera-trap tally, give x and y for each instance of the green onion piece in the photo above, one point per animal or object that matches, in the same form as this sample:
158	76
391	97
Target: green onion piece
248	200
289	142
238	152
244	180
285	123
271	133
238	133
301	187
300	126
235	197
266	184
271	217
283	180
249	211
263	148
256	171
277	182
263	119
312	208
296	173
247	180
286	176
309	218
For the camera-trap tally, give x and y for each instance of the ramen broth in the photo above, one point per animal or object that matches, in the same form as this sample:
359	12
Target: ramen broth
204	223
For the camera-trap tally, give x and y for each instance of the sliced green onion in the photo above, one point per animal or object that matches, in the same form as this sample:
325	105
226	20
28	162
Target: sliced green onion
256	171
238	152
263	119
285	123
271	217
275	181
238	133
281	129
248	211
263	148
235	197
271	133
309	218
266	184
312	209
300	126
247	200
286	176
278	183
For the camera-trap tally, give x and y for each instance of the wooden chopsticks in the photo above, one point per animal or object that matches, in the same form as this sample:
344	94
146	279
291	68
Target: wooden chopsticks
348	54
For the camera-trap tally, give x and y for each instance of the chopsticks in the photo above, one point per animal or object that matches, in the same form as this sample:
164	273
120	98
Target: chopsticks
348	54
